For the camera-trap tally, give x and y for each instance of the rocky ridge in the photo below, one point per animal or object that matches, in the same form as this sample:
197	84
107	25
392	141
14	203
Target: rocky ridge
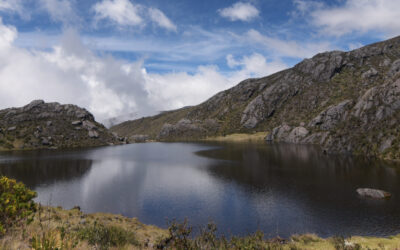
51	125
347	102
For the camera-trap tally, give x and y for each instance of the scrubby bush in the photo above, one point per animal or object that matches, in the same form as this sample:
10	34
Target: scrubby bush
16	203
105	236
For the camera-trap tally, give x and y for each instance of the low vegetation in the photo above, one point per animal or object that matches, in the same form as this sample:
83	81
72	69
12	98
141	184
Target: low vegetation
15	203
27	225
254	137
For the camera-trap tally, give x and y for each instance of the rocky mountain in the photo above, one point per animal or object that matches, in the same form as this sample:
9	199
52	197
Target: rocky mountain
344	101
51	125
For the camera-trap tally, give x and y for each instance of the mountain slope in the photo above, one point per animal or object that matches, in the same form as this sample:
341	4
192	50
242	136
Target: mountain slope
51	125
343	101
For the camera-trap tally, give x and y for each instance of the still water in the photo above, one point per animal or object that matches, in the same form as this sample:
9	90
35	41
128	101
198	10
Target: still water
280	189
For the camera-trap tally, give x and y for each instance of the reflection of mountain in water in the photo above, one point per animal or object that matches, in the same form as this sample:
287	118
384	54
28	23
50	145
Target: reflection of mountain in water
35	173
260	165
320	188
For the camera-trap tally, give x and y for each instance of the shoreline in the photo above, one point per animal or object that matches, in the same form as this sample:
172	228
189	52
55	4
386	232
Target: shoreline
73	229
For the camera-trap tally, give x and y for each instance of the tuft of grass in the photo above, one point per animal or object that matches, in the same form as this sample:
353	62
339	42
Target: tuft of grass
239	137
104	236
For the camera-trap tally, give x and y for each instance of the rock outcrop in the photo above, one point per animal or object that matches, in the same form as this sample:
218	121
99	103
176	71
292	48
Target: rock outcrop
346	102
51	125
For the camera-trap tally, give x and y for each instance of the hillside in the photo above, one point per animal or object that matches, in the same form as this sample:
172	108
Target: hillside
344	101
51	125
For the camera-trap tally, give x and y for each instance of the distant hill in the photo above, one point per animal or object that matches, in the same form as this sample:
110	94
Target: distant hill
51	125
343	101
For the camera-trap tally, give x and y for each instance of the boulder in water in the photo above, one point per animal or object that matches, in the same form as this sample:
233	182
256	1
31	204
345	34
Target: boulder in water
373	193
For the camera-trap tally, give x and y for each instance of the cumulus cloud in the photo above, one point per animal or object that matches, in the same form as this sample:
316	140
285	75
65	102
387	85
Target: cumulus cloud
69	72
13	6
255	65
159	18
240	12
285	47
355	16
125	13
122	12
60	10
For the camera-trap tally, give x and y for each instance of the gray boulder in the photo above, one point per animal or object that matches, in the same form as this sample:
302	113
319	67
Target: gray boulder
138	138
76	123
330	117
373	193
12	128
369	73
93	134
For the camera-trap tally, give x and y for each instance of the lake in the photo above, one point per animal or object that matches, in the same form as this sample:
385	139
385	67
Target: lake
281	189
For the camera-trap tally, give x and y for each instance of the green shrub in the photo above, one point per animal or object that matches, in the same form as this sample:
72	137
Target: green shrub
15	203
104	236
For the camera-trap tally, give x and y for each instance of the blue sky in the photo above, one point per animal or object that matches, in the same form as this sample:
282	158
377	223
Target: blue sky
127	58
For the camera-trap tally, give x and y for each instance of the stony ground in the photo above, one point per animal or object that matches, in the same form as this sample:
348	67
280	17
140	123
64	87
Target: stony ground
41	125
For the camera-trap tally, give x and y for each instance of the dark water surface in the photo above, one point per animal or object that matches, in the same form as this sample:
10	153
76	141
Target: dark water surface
280	189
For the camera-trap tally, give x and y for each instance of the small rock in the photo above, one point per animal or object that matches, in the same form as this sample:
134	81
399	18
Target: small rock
139	138
88	125
36	134
11	128
93	134
49	123
45	142
32	105
373	193
369	73
76	123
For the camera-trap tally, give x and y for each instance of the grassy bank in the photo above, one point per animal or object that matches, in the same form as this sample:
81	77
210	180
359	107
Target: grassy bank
255	137
56	228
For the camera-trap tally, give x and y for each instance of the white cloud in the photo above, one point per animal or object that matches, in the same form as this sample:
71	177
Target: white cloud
8	34
175	90
355	16
60	10
69	72
287	48
14	6
122	12
255	65
158	17
240	11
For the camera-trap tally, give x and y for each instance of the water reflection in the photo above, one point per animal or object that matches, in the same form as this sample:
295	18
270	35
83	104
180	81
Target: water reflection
281	189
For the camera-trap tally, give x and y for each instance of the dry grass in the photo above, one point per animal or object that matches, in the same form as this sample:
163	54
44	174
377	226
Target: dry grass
255	137
62	229
53	228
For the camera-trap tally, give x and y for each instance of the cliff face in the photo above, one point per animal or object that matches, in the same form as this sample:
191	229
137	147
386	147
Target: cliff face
51	125
343	101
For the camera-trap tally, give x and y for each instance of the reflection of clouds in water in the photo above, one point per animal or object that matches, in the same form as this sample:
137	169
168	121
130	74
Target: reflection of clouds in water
113	186
179	180
280	189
